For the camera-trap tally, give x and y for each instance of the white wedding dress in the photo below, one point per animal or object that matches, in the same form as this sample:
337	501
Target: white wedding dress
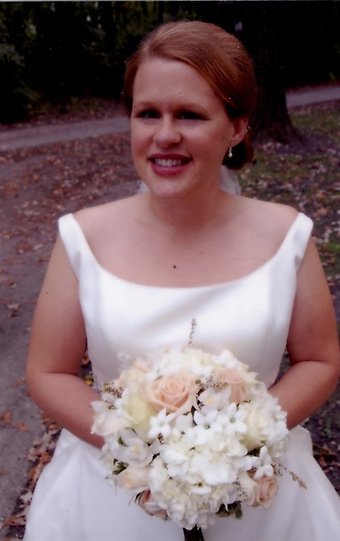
251	315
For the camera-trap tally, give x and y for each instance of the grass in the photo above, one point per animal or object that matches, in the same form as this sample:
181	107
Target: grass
306	176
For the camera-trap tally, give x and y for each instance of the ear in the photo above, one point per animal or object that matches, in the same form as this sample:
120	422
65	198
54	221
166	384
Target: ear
240	129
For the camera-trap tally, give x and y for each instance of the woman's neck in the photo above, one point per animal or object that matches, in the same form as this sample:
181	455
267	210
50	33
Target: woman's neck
188	214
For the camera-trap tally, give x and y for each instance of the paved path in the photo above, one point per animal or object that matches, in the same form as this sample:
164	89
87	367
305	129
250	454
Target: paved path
53	133
311	96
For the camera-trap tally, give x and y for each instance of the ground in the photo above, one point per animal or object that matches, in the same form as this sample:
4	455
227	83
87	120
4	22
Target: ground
39	184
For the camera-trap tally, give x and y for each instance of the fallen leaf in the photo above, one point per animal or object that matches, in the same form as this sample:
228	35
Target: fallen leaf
6	417
21	426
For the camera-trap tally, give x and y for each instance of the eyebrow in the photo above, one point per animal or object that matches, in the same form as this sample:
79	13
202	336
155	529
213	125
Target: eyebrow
183	106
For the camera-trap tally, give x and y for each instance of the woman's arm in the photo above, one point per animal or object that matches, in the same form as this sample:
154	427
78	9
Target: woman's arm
313	345
56	350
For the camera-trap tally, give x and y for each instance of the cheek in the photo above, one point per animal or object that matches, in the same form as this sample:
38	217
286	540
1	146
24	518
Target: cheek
214	150
138	145
135	140
139	135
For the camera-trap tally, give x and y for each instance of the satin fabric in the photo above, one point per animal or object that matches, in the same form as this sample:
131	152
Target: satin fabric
251	316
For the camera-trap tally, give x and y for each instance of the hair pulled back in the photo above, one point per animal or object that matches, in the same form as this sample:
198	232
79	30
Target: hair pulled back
219	57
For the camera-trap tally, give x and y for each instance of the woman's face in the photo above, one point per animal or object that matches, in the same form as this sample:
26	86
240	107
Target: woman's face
180	131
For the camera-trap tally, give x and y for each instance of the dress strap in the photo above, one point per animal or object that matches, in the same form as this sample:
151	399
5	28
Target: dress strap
74	241
297	239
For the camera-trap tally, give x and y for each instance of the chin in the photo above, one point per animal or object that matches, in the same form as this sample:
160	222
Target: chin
171	189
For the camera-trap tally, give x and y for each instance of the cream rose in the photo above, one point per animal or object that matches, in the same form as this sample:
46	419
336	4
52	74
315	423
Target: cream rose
137	407
173	392
227	376
257	423
266	490
138	411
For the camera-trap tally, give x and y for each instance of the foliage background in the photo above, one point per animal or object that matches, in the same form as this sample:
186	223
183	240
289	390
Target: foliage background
57	52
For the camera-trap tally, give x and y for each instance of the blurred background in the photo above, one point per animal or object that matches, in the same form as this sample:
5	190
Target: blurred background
61	55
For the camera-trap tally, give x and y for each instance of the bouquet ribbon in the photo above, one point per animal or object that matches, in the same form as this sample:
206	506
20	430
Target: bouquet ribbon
195	534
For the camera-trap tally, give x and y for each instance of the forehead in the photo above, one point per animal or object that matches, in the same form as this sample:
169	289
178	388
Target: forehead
161	79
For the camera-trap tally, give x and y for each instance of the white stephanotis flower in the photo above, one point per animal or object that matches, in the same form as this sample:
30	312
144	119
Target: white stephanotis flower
207	424
233	419
264	464
160	425
215	398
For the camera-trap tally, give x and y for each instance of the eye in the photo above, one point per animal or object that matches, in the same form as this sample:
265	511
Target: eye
147	113
190	115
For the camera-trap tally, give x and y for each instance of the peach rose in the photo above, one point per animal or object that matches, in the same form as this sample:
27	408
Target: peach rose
173	392
227	376
266	490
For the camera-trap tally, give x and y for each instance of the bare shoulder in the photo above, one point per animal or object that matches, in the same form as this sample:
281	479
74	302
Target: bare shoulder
268	219
107	216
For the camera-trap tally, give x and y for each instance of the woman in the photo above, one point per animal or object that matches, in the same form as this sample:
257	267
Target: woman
128	278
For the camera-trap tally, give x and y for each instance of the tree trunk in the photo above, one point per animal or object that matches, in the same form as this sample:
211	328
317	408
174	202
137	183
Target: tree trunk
271	119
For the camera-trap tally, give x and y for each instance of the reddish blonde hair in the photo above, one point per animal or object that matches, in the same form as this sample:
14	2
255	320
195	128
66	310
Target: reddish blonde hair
217	56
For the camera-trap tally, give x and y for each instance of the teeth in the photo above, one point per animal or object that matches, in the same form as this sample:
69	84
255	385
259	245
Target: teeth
167	163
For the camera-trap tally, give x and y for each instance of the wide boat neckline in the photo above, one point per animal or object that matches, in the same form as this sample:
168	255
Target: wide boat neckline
217	285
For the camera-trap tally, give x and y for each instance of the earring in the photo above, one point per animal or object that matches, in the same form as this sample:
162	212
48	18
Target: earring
230	152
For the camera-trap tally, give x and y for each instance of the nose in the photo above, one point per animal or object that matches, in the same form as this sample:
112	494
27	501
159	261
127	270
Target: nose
167	133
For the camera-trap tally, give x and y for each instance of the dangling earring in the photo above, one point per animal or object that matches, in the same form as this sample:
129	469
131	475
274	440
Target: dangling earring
230	152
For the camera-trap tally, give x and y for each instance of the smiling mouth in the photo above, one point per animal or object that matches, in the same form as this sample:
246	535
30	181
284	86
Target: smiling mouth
170	162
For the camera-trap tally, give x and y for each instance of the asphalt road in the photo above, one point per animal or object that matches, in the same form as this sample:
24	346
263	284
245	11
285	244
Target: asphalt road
41	135
15	442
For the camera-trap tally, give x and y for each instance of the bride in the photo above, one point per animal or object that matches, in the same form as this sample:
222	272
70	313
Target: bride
128	277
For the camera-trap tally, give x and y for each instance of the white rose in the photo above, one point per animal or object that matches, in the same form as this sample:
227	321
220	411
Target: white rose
257	422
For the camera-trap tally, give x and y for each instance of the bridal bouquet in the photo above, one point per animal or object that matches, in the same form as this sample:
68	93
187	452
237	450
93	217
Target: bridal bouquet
193	435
